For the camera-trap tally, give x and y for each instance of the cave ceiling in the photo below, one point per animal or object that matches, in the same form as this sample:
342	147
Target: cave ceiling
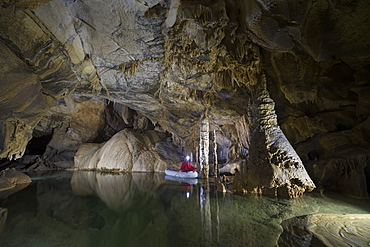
179	61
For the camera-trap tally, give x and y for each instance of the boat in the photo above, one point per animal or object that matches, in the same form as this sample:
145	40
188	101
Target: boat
190	181
180	174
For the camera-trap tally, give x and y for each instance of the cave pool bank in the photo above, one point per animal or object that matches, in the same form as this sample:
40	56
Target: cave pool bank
63	208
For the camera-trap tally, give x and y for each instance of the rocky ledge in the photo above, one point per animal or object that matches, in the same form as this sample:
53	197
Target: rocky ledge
12	181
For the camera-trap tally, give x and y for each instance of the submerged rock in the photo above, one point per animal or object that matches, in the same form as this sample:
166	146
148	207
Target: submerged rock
341	230
326	230
12	181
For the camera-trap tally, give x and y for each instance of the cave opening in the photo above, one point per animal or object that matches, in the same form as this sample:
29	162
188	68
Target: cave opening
37	145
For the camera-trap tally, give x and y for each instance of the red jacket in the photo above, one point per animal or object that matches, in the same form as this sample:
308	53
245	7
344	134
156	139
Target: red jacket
186	167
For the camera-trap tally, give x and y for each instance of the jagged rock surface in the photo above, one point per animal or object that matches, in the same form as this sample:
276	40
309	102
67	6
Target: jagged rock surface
176	62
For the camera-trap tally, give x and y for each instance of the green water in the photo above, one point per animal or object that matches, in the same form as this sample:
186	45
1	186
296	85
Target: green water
139	209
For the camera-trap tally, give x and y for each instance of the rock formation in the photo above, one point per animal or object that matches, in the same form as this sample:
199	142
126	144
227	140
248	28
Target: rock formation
261	72
125	151
12	181
326	230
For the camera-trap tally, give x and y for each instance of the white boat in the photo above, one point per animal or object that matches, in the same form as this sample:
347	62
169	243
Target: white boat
177	173
191	181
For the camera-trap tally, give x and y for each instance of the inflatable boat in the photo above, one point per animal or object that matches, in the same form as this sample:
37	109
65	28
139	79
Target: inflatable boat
190	181
173	172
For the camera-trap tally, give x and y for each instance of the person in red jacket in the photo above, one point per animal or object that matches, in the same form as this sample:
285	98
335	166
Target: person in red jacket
186	166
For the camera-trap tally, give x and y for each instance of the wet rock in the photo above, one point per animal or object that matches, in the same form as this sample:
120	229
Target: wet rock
326	230
15	177
12	181
296	232
339	230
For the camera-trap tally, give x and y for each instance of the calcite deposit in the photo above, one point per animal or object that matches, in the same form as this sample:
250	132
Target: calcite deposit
283	85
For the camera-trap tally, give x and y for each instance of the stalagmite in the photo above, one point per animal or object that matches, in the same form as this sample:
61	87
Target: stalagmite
273	165
215	163
204	147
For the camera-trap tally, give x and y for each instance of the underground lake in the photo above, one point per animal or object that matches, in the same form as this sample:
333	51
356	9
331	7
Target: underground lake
62	208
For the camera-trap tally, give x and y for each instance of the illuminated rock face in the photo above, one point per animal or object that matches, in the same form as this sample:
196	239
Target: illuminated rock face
176	62
125	151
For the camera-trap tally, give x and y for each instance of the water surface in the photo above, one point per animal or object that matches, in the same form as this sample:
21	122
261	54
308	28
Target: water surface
145	209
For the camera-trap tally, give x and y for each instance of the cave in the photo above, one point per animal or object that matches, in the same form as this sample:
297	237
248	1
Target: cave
37	145
254	70
268	98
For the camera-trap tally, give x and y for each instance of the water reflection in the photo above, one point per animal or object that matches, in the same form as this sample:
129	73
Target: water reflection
142	209
119	192
3	216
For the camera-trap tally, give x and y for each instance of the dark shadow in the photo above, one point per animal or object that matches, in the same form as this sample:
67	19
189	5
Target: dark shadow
37	145
367	174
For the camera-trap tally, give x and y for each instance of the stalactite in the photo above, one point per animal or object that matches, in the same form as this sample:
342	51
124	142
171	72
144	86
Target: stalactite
130	68
243	133
97	86
241	50
201	12
224	80
17	142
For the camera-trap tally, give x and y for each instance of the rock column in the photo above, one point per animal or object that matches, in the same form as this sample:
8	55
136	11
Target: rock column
204	147
273	166
216	172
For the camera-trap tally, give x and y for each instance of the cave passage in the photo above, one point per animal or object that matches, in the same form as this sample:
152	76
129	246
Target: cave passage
37	145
